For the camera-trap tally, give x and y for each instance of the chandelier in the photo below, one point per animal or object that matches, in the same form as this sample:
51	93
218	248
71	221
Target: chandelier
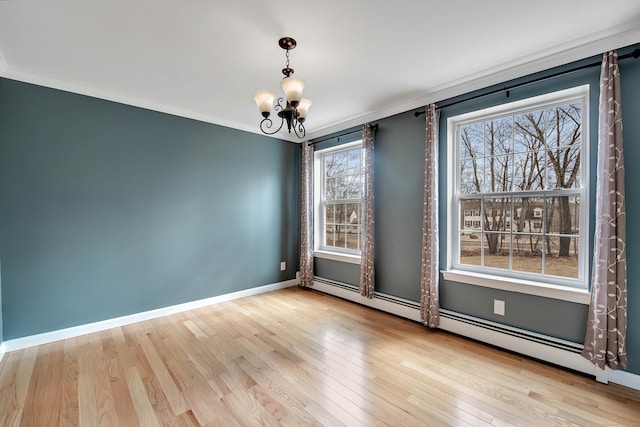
294	111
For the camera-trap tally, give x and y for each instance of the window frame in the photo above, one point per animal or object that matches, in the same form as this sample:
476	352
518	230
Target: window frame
576	290
320	250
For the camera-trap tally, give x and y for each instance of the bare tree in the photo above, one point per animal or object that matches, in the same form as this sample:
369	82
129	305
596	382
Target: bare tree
529	166
533	151
487	148
343	183
558	132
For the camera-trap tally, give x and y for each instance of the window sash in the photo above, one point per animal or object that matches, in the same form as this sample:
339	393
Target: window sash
325	201
459	224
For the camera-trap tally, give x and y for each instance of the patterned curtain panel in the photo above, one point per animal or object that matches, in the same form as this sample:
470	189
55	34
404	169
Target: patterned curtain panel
605	340
306	216
430	276
367	273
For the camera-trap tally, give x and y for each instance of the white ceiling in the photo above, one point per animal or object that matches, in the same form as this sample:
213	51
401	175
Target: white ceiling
362	59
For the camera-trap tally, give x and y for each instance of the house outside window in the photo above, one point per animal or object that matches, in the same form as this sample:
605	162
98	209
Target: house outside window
338	192
519	169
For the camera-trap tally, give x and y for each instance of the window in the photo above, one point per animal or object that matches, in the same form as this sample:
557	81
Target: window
521	168
339	187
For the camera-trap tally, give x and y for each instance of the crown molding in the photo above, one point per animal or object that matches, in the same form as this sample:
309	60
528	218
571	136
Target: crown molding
31	77
562	54
532	63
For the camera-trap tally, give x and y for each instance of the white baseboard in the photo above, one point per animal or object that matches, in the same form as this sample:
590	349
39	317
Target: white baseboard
47	337
553	352
540	351
623	378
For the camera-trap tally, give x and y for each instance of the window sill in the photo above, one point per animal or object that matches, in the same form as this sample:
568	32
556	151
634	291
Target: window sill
336	256
565	293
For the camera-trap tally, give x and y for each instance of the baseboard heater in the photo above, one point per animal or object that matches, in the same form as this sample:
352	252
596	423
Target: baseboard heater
543	347
515	332
341	285
376	295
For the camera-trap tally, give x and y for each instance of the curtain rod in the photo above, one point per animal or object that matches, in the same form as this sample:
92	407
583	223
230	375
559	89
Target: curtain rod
635	54
375	128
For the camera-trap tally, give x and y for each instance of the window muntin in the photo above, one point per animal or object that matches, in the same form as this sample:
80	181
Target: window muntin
520	187
342	187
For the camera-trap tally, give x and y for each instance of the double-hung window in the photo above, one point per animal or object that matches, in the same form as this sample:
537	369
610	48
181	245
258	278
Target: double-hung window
339	187
518	190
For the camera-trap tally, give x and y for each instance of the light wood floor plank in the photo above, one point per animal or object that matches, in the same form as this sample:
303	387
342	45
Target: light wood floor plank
87	404
42	404
169	387
69	405
25	371
115	370
141	403
295	357
201	398
10	407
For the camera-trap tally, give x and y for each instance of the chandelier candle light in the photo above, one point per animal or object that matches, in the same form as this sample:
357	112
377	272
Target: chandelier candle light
294	112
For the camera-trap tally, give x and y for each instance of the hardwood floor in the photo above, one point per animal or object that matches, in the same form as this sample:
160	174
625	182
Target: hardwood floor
294	357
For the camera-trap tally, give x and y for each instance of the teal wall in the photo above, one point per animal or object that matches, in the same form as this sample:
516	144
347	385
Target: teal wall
630	82
108	210
398	181
1	326
399	184
399	169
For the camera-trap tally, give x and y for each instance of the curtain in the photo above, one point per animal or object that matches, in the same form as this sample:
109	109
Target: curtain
306	216
605	340
367	273
430	276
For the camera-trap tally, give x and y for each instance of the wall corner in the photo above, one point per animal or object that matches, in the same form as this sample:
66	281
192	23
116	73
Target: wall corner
3	64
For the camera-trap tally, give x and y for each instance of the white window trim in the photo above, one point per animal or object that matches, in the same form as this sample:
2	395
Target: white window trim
565	293
319	251
552	287
337	256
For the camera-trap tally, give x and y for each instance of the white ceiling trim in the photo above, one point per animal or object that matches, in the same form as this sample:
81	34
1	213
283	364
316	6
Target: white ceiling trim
536	62
533	63
69	86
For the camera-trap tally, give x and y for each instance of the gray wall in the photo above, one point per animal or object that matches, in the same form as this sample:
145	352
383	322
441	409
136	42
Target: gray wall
399	169
398	181
1	325
399	184
108	210
630	76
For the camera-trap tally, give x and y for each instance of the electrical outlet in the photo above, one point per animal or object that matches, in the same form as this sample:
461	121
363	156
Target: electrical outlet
498	307
283	266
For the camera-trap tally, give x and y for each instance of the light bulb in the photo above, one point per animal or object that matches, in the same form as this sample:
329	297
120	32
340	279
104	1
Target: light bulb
292	87
264	101
303	109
